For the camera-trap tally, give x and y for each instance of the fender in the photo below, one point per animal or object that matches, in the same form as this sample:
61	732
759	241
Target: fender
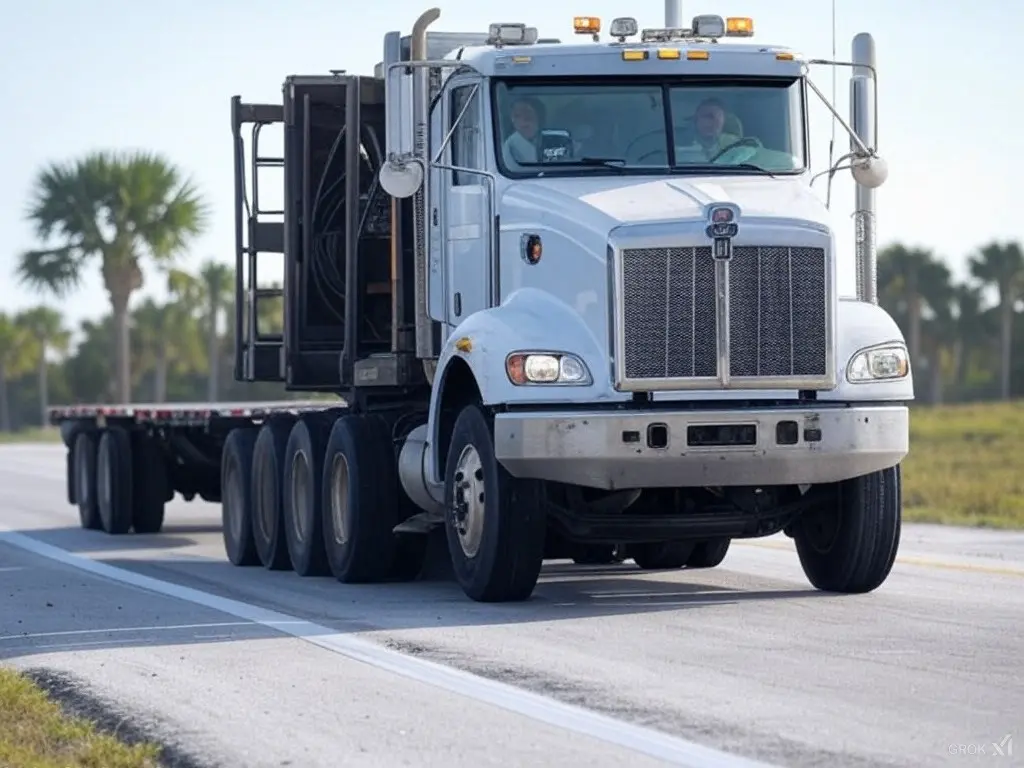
862	325
529	319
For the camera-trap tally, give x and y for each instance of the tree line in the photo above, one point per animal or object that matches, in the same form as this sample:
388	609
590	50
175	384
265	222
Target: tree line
133	216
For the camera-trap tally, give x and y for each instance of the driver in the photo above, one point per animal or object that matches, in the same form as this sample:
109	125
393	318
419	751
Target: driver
522	145
709	121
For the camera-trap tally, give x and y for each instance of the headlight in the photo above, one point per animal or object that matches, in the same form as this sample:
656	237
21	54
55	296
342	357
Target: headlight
881	363
546	368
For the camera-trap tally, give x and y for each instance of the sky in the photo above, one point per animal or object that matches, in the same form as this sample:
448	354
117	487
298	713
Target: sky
159	75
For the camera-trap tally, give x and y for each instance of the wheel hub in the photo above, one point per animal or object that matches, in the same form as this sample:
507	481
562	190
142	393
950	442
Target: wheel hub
469	503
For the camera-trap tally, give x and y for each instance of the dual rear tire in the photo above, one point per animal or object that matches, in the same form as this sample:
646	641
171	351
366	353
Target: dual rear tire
322	499
338	500
119	480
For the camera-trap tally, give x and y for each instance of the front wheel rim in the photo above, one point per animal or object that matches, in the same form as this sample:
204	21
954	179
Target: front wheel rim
469	501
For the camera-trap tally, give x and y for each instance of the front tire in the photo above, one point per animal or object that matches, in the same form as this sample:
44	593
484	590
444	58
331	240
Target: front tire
495	524
851	547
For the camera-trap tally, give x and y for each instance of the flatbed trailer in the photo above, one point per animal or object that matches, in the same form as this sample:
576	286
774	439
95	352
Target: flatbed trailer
632	344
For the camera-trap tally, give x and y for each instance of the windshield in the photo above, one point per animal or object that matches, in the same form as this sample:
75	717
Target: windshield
584	127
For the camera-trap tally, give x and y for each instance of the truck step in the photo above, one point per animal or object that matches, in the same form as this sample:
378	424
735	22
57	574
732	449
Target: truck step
422	523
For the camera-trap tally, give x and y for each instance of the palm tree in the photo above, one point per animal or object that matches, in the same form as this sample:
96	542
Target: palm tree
117	209
217	279
166	334
46	325
1002	266
902	278
969	328
17	357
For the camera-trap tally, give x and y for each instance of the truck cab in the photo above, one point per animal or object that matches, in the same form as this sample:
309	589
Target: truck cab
580	300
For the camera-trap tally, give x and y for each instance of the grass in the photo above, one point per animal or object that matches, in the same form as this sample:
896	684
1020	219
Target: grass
966	465
36	733
34	435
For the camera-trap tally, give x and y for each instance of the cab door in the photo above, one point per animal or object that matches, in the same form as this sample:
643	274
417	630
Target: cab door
467	216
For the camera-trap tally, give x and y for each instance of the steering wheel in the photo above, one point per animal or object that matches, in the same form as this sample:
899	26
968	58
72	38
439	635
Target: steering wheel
655	134
746	141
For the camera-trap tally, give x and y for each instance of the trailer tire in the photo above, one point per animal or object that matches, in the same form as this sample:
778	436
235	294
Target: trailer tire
84	480
662	555
709	554
596	554
850	547
70	477
495	523
236	497
269	454
303	497
114	480
361	503
151	485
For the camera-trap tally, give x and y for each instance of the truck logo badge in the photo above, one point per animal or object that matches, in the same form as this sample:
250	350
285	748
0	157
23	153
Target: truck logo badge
721	229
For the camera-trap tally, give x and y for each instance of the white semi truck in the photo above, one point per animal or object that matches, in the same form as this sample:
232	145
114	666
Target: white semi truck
573	298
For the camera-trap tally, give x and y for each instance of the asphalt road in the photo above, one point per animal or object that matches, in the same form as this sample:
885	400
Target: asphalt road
605	666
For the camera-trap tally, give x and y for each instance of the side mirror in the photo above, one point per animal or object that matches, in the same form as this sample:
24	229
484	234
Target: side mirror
402	172
870	172
399	109
401	177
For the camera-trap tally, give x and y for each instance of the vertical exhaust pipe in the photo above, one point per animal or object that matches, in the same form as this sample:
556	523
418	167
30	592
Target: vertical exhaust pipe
673	14
862	120
421	200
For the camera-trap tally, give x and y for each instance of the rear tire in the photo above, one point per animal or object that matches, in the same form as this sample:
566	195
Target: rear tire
850	547
114	480
84	463
303	497
709	554
495	523
662	555
151	485
596	554
269	455
236	497
362	504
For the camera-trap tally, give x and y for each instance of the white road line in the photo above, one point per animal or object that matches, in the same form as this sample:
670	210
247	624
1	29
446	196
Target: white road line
637	738
112	630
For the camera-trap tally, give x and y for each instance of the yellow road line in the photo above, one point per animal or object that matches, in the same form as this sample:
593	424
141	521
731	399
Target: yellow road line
923	562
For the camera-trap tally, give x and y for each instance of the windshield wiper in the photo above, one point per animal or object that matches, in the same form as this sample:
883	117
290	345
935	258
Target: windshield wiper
724	167
607	162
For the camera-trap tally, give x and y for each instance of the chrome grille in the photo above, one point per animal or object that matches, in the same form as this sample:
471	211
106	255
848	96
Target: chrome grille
778	318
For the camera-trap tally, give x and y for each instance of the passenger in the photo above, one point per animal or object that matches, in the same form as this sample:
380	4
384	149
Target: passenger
523	145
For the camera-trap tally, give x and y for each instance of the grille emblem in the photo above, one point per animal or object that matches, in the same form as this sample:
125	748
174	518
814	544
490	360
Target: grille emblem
721	229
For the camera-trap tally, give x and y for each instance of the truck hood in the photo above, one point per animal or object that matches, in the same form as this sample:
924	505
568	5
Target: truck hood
622	200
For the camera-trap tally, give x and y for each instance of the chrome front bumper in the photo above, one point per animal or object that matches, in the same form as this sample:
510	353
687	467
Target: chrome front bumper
779	446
